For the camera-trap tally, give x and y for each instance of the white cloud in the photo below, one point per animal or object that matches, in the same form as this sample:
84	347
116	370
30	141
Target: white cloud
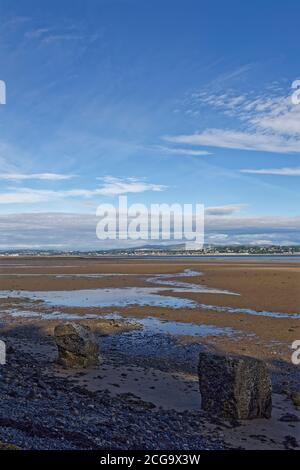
62	33
62	37
254	223
255	141
115	186
286	123
278	115
270	121
218	237
274	171
181	151
77	231
261	242
35	176
37	33
29	196
111	187
224	210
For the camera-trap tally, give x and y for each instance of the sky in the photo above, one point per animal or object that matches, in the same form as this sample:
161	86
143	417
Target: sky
165	101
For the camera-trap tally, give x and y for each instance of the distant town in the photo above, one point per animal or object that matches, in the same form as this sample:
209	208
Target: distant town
177	250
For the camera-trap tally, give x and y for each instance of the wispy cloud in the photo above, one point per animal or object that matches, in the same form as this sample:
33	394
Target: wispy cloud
35	176
15	21
114	186
37	33
27	196
268	122
53	38
274	171
111	187
181	151
255	141
61	33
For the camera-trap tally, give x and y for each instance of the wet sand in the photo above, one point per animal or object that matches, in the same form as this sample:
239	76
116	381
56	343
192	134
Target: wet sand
154	364
261	286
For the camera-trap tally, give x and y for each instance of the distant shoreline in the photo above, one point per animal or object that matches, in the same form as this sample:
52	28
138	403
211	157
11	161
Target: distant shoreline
144	256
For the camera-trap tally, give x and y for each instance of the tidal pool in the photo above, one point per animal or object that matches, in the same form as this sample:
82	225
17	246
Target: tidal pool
114	297
150	325
154	325
249	311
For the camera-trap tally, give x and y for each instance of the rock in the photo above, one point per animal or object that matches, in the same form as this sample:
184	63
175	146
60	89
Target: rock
289	418
295	397
234	387
5	446
290	442
77	346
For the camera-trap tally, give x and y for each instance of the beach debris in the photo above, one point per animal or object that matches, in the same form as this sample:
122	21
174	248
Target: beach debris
234	387
76	344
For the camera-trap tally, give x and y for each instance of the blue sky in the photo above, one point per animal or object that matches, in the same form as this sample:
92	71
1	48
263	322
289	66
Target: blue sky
165	101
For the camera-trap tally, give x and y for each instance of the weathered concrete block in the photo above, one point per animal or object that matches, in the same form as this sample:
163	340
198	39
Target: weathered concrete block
234	387
76	344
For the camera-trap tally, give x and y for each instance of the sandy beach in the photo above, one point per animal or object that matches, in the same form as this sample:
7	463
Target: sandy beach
151	319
